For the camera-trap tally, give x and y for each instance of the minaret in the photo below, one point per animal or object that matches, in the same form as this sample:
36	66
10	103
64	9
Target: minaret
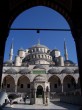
65	51
11	52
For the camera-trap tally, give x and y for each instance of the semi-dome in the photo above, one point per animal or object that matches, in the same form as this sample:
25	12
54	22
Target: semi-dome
11	71
38	67
67	70
39	78
24	71
54	71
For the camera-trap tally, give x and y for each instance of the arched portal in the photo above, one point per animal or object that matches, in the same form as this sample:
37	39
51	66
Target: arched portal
69	83
23	84
39	93
8	83
55	84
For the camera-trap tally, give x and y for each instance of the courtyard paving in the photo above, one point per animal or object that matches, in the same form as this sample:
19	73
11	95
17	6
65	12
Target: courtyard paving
52	106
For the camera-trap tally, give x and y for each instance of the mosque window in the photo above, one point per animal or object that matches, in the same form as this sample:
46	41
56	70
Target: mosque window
38	56
33	50
28	85
55	85
21	86
41	49
8	85
35	56
32	56
68	85
37	49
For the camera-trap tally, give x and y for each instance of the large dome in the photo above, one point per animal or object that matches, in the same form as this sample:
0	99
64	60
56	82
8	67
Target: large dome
39	46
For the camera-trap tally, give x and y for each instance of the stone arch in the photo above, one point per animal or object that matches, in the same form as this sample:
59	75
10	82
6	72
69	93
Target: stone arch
55	84
24	5
69	83
23	84
8	83
39	92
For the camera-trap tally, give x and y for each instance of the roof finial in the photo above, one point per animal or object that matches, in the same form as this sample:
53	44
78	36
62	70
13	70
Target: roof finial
38	41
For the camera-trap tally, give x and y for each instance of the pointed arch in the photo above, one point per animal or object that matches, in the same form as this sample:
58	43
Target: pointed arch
55	84
69	83
8	83
23	84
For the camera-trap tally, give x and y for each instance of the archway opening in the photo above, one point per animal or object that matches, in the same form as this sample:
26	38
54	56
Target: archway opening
39	93
8	83
32	40
69	83
23	85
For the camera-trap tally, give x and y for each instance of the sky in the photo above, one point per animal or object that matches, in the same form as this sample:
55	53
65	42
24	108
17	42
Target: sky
40	17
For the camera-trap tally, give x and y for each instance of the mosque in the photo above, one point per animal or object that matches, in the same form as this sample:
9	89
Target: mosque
40	73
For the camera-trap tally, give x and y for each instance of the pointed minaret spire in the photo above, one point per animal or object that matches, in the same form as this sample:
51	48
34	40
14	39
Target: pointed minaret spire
65	51
11	52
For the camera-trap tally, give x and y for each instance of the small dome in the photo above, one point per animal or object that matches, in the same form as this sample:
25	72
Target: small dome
39	78
9	62
67	70
38	67
55	49
76	71
54	71
24	71
69	62
11	71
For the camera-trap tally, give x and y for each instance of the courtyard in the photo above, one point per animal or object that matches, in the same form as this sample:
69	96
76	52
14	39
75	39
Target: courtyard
54	105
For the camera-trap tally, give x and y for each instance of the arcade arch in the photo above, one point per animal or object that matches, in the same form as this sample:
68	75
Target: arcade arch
8	83
69	83
55	84
23	84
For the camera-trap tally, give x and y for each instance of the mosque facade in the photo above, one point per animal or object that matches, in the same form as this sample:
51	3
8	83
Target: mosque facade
40	73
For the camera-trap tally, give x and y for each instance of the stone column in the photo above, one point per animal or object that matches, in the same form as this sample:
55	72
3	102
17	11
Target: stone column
15	88
35	96
44	98
62	87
